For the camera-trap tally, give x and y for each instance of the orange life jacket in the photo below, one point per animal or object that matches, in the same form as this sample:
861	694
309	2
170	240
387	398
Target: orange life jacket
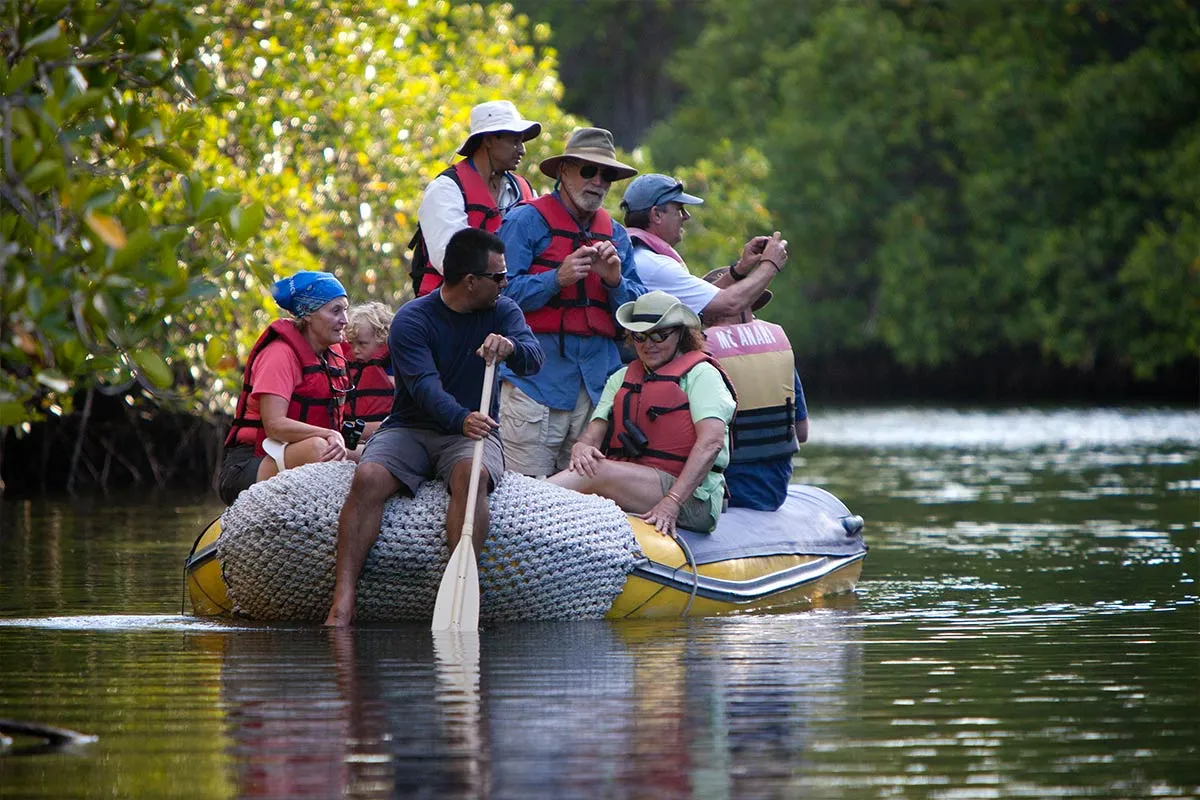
318	400
482	212
581	308
372	388
758	357
657	404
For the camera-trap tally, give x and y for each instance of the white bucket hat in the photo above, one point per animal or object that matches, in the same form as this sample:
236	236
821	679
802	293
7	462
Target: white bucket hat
497	116
655	310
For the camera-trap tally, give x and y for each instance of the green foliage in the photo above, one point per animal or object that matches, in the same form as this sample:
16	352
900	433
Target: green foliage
635	39
734	207
957	178
99	113
340	115
133	129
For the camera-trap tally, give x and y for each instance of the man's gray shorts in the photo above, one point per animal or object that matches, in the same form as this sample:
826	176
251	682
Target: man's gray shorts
415	455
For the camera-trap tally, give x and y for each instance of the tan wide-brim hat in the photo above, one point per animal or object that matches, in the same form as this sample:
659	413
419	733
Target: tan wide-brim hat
759	302
594	145
655	310
497	116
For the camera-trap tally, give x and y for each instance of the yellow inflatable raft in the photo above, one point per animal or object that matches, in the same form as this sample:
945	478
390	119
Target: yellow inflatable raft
810	549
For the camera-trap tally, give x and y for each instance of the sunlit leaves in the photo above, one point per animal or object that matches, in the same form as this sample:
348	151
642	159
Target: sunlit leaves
340	108
96	128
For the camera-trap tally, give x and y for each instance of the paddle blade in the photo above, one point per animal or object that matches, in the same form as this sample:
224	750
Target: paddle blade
457	606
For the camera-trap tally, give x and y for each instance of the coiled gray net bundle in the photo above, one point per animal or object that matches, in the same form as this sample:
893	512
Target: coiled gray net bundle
550	554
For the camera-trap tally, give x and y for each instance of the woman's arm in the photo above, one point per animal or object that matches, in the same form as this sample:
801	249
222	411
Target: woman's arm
279	426
710	438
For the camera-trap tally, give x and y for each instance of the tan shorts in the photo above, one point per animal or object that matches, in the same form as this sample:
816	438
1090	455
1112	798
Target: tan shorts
696	514
538	439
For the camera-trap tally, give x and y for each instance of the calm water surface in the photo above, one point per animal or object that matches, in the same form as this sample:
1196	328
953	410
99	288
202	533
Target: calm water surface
1028	625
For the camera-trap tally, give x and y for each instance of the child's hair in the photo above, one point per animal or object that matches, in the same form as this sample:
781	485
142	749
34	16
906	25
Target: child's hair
373	316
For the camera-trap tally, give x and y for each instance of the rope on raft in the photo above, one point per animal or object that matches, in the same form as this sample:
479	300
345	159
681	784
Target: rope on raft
550	554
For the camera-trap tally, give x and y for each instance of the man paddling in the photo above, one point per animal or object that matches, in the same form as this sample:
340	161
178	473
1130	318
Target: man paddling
439	346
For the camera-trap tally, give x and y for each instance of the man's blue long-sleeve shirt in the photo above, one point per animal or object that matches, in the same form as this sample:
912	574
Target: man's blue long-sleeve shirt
572	359
439	378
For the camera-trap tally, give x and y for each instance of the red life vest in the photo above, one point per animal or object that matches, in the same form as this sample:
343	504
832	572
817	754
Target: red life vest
758	357
581	308
482	212
660	407
372	389
317	400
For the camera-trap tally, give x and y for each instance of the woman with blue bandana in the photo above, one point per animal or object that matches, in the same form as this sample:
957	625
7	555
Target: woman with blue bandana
294	387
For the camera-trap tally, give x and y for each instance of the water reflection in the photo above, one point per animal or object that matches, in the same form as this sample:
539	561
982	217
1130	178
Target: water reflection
561	710
1026	626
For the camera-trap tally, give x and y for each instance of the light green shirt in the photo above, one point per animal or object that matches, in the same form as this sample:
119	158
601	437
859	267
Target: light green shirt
708	398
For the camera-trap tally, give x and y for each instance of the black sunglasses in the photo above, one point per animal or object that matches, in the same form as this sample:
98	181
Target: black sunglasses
658	337
608	174
498	277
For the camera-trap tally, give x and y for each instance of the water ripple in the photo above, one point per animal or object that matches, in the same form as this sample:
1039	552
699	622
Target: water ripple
1015	429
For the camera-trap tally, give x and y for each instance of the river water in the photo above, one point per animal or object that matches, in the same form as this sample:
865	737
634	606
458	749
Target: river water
1027	625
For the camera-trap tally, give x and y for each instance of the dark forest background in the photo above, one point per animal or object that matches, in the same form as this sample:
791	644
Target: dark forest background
992	202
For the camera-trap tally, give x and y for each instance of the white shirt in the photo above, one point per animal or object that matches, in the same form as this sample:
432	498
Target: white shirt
443	213
668	275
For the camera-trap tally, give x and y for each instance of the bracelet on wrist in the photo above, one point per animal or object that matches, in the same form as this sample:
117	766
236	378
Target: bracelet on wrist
675	497
778	268
733	273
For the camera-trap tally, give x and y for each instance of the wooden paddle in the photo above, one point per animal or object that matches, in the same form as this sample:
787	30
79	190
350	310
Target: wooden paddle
457	606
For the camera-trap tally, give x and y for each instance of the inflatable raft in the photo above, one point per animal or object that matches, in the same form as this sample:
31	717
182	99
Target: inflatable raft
550	554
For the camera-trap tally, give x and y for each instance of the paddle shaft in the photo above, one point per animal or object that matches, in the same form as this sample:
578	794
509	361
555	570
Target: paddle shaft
460	583
485	403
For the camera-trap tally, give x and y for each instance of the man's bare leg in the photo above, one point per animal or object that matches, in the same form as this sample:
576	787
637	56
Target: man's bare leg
358	528
460	477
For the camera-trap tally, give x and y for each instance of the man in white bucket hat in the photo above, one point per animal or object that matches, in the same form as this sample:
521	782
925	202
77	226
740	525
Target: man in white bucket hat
475	192
570	267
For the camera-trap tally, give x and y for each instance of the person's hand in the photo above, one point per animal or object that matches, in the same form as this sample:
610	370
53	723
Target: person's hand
775	251
751	253
584	459
478	425
576	266
663	515
335	447
495	348
608	263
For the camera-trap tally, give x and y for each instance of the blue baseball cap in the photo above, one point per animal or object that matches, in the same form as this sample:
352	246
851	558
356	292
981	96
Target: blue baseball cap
653	189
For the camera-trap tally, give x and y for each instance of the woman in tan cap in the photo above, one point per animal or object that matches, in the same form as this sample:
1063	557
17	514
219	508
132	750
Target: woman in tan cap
664	421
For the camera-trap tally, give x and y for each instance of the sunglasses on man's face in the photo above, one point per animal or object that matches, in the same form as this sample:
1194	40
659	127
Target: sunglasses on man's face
658	337
498	277
588	171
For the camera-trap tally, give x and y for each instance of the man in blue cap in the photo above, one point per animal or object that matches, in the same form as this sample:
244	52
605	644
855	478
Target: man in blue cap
655	213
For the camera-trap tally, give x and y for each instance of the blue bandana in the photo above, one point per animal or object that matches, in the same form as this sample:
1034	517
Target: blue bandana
306	291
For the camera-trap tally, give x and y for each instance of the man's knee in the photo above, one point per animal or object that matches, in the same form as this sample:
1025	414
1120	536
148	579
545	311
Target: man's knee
373	483
460	477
